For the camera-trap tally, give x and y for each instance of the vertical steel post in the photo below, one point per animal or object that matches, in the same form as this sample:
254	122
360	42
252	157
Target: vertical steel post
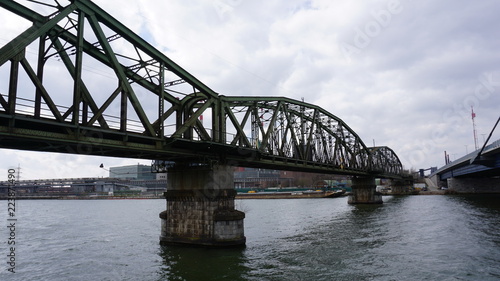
161	99
216	126
222	121
13	80
77	89
123	109
40	67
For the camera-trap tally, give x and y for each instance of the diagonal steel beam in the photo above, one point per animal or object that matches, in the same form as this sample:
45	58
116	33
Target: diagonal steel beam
286	138
192	119
4	103
32	33
116	26
164	116
205	136
86	94
89	48
270	128
94	23
240	134
100	111
311	131
45	95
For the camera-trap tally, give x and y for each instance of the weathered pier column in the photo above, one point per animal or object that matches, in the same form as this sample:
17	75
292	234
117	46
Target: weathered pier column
200	207
474	185
364	191
402	186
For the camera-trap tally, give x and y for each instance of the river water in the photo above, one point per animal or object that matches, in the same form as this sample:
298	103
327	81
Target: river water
406	238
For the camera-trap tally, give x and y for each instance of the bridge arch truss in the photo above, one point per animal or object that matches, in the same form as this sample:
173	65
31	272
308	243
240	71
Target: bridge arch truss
54	101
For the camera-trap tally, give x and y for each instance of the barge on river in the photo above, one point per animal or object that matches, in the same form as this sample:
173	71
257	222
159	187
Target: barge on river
290	194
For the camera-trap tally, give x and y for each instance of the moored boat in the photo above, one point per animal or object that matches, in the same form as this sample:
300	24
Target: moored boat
290	194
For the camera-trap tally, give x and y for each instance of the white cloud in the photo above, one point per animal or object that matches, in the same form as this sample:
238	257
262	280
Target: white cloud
414	78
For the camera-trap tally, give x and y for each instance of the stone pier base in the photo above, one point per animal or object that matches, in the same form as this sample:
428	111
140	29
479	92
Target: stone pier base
200	207
474	185
402	186
364	191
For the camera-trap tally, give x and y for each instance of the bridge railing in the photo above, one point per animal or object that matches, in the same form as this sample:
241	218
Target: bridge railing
26	107
145	103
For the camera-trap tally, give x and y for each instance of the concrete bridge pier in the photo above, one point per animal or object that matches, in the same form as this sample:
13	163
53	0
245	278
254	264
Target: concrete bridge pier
364	191
200	207
474	185
402	186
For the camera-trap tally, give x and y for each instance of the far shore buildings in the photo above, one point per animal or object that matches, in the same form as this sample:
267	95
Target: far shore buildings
132	179
139	179
133	172
255	178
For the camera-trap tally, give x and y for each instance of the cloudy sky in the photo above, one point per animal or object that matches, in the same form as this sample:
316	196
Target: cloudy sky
402	74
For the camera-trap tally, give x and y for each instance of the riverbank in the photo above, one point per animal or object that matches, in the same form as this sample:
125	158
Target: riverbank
290	195
82	197
256	195
433	192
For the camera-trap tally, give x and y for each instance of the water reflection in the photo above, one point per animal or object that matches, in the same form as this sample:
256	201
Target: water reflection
195	263
489	203
452	237
407	237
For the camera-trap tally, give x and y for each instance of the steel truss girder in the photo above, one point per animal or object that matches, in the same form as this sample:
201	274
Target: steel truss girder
253	131
385	160
284	127
144	69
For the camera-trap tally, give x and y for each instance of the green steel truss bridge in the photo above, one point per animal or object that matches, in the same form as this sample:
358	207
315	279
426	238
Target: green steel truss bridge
78	81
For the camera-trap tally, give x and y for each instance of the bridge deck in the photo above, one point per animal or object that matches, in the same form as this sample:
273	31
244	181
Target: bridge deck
149	107
463	167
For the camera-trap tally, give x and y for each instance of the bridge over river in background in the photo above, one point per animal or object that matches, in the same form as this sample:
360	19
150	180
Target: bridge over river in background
478	171
78	81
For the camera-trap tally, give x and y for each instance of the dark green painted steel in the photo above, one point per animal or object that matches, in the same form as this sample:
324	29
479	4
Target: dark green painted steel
191	122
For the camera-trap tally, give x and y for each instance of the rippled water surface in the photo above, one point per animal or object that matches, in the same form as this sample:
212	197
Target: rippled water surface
406	238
